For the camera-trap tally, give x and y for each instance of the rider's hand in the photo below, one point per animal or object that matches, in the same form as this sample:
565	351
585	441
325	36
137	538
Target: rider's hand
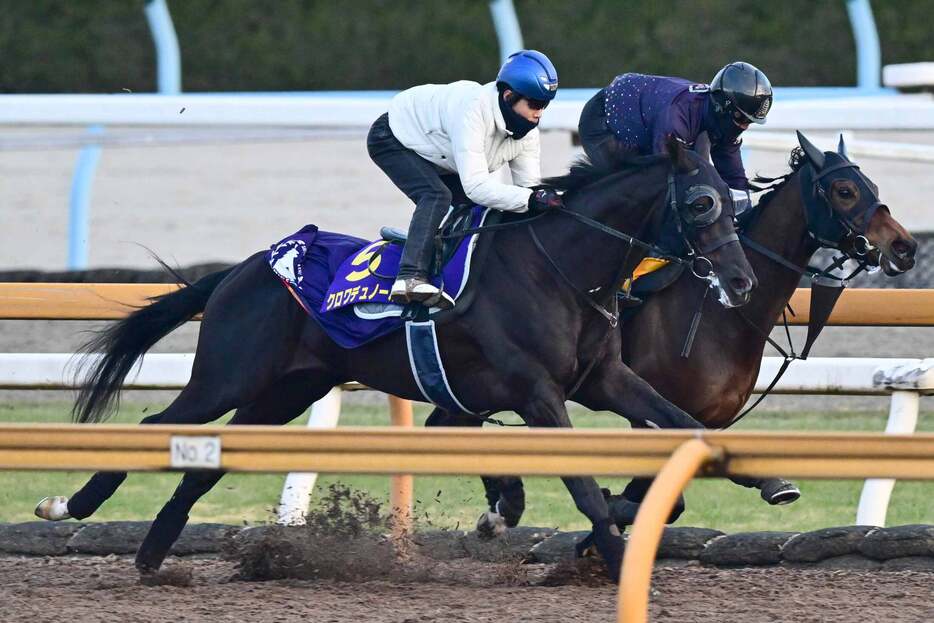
545	199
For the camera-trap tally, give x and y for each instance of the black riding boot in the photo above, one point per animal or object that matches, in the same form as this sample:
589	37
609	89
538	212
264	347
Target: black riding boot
419	252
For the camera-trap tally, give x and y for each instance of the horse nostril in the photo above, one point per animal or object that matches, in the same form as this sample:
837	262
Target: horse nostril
903	248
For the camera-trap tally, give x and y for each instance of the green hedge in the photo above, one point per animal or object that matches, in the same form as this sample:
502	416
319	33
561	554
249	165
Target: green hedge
245	45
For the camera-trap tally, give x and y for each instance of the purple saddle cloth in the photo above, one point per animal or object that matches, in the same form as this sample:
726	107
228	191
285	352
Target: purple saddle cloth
344	281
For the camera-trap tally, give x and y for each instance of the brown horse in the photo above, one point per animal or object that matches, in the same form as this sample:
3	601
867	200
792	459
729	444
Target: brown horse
824	202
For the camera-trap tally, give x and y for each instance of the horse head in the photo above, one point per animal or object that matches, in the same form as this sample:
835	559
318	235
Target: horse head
707	222
844	212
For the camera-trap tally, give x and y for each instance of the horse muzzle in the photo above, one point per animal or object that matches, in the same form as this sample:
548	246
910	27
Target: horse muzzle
898	257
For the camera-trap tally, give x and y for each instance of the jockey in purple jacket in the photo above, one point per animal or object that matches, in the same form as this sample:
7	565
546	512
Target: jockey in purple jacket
636	113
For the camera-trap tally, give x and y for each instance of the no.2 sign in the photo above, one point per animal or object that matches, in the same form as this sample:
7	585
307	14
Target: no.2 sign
195	452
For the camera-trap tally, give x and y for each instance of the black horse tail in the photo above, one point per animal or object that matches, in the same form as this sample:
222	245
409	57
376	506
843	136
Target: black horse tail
127	340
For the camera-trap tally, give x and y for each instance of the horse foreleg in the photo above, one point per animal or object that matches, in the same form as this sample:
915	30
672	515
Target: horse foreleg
612	386
505	495
546	409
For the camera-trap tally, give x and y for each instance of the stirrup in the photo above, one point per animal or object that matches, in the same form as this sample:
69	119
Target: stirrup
442	301
416	290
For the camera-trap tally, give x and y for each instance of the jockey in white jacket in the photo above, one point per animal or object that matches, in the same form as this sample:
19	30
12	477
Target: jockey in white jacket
440	141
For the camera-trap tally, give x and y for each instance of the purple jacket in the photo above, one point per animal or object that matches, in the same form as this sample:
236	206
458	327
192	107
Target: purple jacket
642	110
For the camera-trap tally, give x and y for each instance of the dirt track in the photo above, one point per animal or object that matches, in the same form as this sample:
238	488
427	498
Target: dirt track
93	589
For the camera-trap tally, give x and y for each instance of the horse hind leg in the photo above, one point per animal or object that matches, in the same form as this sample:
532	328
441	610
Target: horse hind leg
195	405
233	366
280	404
505	495
85	502
206	398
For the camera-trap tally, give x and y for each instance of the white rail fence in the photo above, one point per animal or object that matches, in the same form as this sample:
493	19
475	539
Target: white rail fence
358	109
905	380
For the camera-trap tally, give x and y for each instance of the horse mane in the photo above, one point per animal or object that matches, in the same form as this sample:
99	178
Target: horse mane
796	160
584	172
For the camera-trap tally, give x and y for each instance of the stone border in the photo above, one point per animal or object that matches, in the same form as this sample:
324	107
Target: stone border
901	548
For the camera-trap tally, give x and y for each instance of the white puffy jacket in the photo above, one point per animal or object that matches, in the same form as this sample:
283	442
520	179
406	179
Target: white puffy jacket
460	128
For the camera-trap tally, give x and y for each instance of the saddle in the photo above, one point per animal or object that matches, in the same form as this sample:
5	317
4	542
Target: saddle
656	280
650	276
446	242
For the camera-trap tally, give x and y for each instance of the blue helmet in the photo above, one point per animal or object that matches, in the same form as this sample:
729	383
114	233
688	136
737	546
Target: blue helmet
530	74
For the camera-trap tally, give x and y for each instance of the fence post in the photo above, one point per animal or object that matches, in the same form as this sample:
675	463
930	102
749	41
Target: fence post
168	57
506	23
866	37
296	492
874	501
79	202
401	485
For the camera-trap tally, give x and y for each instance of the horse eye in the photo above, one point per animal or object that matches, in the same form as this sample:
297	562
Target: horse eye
703	204
844	192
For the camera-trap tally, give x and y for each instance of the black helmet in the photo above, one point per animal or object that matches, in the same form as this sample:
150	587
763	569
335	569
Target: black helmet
742	91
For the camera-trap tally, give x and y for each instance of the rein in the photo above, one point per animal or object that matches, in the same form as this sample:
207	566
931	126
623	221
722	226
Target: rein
632	242
826	288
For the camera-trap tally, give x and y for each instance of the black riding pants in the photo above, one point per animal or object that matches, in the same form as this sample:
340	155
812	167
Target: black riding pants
599	143
602	146
424	184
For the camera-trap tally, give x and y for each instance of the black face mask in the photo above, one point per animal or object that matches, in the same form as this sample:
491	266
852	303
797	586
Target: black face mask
515	123
720	127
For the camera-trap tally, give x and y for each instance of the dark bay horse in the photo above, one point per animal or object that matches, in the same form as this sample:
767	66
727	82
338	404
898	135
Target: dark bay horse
522	344
715	381
825	202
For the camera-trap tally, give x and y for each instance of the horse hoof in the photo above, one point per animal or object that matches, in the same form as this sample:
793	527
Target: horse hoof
609	542
491	525
585	547
779	492
510	512
53	508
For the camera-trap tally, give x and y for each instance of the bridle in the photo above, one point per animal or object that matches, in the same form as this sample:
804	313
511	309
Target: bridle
688	227
827	228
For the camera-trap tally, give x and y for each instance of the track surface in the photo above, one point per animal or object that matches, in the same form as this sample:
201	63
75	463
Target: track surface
107	589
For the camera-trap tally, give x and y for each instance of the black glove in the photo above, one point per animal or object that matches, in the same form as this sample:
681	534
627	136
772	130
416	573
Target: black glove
545	199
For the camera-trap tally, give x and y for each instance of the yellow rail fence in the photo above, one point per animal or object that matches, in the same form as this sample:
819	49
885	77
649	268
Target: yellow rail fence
675	456
112	301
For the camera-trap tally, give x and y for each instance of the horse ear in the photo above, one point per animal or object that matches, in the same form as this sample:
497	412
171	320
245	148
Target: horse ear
678	154
841	148
815	155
